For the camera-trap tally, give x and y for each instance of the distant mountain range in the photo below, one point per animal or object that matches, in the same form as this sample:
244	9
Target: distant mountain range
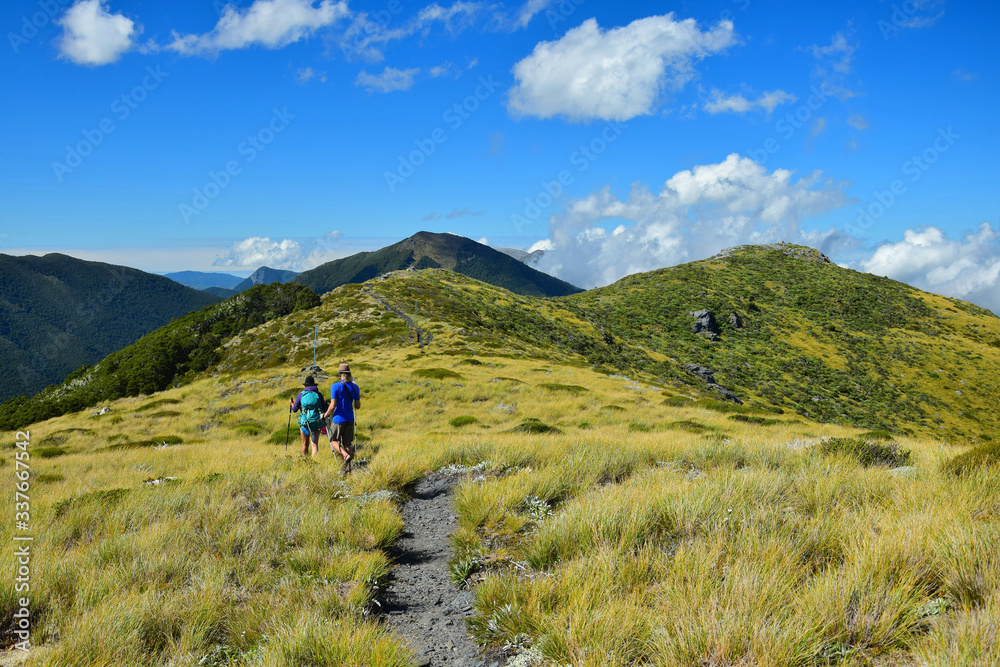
429	250
265	276
205	279
58	313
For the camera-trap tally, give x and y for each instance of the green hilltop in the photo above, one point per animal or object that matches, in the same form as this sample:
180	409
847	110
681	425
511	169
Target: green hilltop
427	250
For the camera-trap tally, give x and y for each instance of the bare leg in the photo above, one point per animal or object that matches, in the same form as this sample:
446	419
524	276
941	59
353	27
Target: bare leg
305	443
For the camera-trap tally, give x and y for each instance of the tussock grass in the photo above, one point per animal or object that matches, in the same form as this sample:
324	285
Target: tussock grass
694	540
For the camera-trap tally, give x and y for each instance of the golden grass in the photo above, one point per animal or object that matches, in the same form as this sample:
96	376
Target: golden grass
625	539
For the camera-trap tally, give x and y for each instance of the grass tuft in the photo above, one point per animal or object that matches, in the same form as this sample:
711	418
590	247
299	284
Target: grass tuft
867	452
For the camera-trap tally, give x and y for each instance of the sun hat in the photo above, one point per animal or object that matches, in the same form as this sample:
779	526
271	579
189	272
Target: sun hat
344	368
309	382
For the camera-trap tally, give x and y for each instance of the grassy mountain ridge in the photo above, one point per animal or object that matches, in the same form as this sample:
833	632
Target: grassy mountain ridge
58	313
812	338
426	250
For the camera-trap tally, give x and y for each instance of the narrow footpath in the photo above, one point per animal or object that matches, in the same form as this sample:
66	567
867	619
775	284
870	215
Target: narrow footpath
421	603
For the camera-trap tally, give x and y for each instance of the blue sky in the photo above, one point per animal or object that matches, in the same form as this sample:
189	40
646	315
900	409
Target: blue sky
620	137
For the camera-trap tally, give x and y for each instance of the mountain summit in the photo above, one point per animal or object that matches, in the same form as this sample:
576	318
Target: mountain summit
427	250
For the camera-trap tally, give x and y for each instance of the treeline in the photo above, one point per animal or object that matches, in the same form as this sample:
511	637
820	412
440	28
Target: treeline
166	357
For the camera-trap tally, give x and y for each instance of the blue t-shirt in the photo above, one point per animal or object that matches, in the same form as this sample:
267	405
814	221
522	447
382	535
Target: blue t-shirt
343	395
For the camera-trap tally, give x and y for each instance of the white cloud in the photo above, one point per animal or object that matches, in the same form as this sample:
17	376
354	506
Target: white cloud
528	11
365	38
305	74
858	122
767	101
94	36
819	126
696	213
256	251
389	80
835	64
269	23
966	268
614	74
439	70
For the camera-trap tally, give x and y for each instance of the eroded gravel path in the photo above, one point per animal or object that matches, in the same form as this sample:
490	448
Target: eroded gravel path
421	602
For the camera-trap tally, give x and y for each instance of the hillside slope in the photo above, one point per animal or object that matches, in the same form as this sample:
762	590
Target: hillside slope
796	333
58	313
173	354
428	250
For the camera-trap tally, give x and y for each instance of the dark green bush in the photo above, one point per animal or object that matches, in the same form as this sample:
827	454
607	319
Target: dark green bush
532	425
753	419
49	452
867	452
463	420
689	425
157	403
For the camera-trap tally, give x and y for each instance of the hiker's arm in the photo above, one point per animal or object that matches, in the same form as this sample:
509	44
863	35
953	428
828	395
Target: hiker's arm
357	405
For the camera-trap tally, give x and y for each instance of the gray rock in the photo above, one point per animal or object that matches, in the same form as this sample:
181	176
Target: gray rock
705	323
709	377
904	471
736	321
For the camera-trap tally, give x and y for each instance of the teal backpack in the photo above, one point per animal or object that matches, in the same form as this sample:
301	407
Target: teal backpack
312	411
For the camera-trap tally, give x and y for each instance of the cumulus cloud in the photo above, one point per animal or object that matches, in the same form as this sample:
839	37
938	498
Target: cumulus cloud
767	101
269	23
696	213
256	251
614	74
391	79
94	36
966	268
306	74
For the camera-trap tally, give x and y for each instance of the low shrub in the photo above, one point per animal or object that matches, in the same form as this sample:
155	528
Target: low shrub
867	452
49	452
532	425
463	420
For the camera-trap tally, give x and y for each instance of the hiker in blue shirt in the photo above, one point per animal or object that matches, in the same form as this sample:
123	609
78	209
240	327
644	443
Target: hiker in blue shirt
345	398
313	405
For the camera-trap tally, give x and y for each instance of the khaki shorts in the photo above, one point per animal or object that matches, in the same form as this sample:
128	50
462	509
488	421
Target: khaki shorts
342	433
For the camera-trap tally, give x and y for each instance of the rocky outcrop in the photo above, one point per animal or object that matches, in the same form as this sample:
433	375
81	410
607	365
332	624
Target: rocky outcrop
705	323
735	321
709	377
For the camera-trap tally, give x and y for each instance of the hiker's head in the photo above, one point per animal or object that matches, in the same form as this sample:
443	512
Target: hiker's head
309	382
345	372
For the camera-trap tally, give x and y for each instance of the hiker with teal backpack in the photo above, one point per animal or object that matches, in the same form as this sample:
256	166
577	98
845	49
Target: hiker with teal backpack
311	421
345	398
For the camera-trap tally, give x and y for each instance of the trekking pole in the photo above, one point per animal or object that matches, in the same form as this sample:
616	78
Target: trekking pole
289	427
